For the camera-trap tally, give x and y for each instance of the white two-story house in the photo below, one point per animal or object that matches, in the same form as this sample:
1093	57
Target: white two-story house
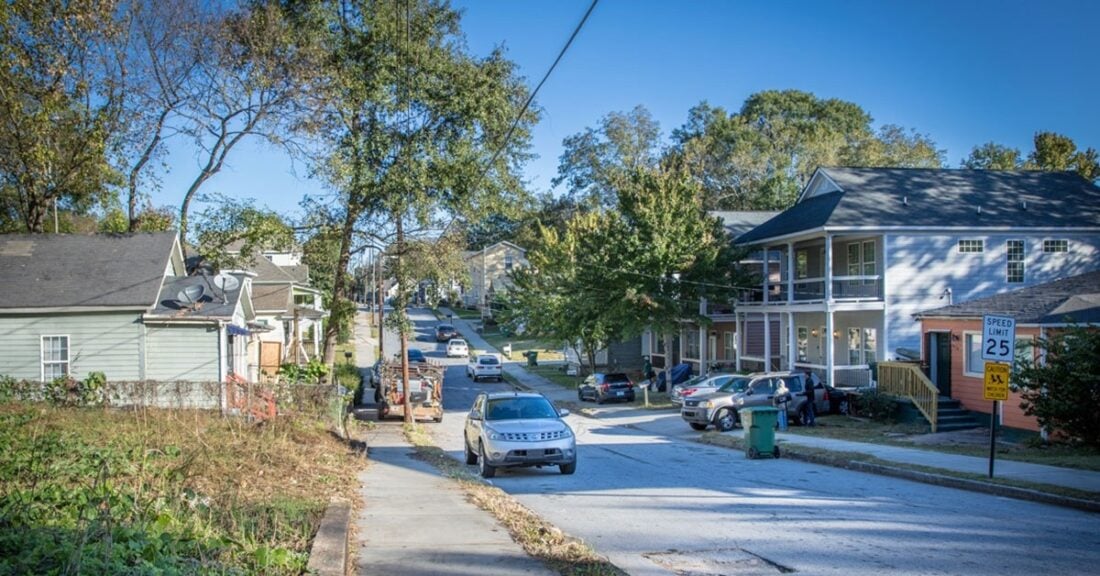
864	249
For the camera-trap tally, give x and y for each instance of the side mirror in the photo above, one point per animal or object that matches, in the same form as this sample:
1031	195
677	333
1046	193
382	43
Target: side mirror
475	415
563	412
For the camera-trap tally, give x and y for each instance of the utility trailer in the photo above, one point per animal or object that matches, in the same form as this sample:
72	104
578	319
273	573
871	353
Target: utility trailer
425	391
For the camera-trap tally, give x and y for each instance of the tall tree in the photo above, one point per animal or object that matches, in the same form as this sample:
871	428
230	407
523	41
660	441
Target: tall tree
993	156
59	106
410	125
598	161
1056	152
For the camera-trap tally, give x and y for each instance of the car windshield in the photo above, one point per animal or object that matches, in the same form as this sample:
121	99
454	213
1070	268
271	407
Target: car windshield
445	328
519	408
735	385
457	343
614	378
488	360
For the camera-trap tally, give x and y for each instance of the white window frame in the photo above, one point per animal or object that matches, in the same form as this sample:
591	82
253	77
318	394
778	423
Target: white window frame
509	262
1009	261
855	346
727	345
66	363
802	340
977	336
869	350
690	337
970	246
1056	246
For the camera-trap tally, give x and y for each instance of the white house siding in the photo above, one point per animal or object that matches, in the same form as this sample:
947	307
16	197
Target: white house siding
98	342
922	267
182	352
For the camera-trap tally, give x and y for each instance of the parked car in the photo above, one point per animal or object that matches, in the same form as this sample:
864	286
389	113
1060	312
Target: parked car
721	408
457	348
518	429
445	332
704	384
485	366
416	355
603	387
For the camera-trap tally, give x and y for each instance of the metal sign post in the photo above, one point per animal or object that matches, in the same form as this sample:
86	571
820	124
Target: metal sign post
995	389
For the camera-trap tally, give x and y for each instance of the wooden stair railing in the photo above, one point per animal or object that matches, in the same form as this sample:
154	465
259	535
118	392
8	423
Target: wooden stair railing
906	380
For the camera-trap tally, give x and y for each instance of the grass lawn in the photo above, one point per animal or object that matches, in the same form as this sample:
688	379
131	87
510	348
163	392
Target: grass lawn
520	345
163	491
976	444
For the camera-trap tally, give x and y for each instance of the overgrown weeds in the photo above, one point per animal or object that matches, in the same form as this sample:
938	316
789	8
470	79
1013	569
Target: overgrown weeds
105	491
540	539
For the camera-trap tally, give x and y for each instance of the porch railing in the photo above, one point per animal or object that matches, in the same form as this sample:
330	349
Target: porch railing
906	380
857	287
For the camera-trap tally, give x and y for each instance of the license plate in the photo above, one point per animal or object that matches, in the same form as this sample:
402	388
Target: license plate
619	393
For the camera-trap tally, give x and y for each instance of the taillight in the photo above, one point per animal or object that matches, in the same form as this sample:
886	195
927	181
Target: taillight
688	391
826	394
604	387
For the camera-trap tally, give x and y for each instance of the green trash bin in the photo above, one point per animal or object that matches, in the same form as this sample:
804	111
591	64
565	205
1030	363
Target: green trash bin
759	424
532	357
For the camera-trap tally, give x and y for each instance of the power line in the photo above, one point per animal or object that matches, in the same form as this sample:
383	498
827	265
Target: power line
531	97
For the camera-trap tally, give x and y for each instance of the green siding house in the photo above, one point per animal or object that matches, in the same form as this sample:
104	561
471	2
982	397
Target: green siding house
118	304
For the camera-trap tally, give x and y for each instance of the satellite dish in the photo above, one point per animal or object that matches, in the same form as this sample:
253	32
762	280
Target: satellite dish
226	282
191	295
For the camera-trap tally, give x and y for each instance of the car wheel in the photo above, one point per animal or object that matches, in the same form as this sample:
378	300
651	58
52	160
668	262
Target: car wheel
486	469
568	468
697	426
753	454
438	419
580	395
471	457
775	452
725	420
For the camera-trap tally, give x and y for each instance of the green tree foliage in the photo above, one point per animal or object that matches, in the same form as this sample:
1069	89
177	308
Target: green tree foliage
599	161
760	157
409	124
993	156
58	108
229	221
1062	391
611	274
1056	152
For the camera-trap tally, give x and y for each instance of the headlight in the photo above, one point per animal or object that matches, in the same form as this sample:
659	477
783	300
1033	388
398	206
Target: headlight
709	404
493	434
740	401
566	432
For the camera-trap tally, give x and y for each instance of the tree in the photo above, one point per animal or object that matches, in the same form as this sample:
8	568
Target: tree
227	221
1062	390
1055	152
58	107
993	156
597	162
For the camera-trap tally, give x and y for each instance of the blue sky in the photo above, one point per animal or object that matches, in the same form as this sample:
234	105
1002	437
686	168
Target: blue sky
964	72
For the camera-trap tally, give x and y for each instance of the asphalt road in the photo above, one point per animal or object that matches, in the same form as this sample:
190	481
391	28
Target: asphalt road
666	505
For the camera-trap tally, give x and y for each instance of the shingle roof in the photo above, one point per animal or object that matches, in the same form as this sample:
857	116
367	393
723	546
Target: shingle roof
739	222
1073	299
211	305
266	271
63	270
271	297
899	198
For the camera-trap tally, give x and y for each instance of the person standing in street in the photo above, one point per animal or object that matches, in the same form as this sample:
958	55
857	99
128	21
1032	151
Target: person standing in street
809	416
782	398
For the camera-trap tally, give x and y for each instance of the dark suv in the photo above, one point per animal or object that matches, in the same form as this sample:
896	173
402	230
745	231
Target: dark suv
444	333
604	387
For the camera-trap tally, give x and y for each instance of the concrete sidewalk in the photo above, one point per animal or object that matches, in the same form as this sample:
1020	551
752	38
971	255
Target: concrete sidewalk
666	421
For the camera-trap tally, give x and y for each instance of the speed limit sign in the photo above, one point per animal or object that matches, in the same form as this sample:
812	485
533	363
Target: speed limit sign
998	338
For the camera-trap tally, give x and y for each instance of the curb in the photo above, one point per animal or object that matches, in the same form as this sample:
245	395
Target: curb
329	554
952	482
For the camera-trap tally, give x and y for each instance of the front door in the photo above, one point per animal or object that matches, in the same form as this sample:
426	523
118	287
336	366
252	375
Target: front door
939	361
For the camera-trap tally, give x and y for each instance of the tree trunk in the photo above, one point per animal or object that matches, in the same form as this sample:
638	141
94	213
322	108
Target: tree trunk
339	286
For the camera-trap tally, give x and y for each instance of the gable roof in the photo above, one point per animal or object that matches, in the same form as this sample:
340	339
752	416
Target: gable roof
738	222
213	305
72	271
1072	299
272	297
266	271
846	199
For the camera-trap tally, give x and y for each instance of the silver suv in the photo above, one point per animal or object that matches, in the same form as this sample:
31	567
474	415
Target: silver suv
721	407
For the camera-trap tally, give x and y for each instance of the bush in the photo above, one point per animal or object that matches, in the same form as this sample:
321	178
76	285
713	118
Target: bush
877	406
1063	392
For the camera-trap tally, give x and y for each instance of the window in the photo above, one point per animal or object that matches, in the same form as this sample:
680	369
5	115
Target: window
692	337
870	342
508	263
801	265
803	338
727	346
855	346
55	357
971	246
861	259
975	366
1014	250
1050	246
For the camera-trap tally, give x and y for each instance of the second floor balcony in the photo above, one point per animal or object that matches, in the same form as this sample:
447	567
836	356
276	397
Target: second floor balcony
810	290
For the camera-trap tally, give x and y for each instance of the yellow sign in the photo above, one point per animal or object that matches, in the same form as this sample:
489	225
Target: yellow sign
996	381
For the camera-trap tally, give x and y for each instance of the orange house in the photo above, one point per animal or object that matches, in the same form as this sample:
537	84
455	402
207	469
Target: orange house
951	337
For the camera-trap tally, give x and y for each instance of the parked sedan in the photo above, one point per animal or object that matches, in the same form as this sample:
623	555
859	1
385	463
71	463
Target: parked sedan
704	384
485	366
445	332
603	387
518	429
457	348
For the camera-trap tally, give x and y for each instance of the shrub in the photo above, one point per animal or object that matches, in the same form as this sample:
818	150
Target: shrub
877	406
1063	392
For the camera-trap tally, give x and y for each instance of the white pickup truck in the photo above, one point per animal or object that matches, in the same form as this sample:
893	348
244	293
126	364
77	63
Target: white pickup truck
485	366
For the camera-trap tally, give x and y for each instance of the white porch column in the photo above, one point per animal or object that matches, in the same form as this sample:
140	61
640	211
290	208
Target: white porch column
790	271
830	351
737	341
792	347
767	270
884	338
829	269
704	352
767	342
